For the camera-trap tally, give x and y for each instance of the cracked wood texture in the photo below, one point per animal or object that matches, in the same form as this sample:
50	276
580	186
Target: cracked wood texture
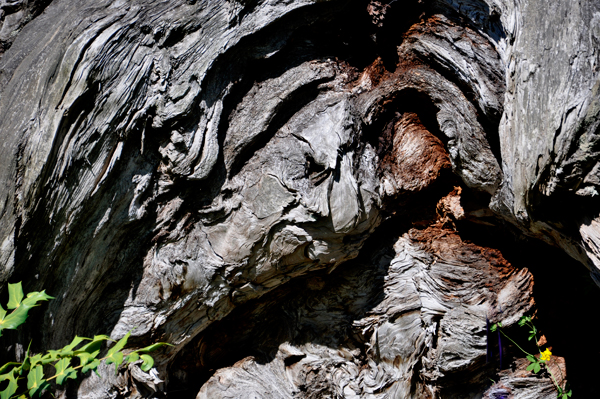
292	193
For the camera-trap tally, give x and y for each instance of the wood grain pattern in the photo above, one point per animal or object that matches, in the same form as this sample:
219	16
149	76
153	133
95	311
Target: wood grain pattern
289	176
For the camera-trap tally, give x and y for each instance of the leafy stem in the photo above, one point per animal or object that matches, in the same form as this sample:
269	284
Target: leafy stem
536	364
517	345
85	349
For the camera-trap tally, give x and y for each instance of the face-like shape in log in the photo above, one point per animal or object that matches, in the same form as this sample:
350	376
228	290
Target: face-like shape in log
307	163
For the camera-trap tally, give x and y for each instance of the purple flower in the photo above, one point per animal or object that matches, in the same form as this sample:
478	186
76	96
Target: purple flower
500	347
499	393
488	354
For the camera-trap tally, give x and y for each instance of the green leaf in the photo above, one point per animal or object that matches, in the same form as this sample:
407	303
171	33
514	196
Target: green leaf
63	371
67	351
35	381
7	366
116	358
494	327
35	359
69	373
76	341
536	367
26	365
119	345
532	358
57	354
91	366
152	347
562	394
95	345
132	357
15	295
61	366
114	354
19	315
12	384
85	357
49	357
148	362
14	319
2	313
34	297
531	366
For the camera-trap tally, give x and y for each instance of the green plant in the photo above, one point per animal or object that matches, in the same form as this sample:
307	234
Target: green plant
535	363
80	356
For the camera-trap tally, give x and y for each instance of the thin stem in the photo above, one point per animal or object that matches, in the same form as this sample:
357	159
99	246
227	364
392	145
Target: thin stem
547	365
54	376
554	380
522	350
535	336
74	368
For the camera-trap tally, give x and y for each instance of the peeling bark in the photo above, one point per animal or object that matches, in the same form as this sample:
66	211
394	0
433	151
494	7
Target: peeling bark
296	178
410	323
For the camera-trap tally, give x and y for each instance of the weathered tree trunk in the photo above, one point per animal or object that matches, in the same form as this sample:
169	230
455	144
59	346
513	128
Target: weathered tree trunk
288	191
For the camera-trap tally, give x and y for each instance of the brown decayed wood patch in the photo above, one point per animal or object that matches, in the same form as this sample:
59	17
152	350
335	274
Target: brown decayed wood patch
417	156
449	246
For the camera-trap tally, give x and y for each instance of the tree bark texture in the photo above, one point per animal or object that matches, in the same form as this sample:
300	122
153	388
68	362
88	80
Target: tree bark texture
282	189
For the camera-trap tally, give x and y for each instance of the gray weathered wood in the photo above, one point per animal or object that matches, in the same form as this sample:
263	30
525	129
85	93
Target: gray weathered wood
174	167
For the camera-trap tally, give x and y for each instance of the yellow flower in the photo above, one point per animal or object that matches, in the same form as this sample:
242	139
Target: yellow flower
546	355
